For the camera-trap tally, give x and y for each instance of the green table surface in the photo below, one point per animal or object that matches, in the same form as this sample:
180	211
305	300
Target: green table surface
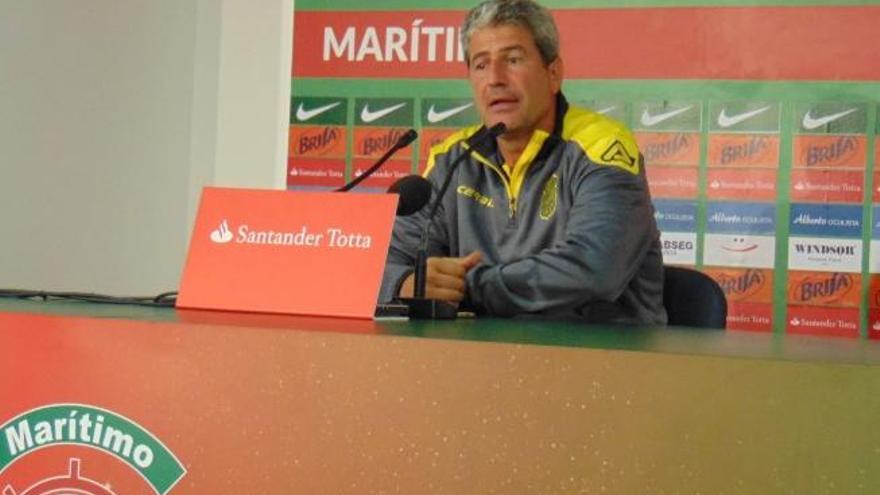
676	340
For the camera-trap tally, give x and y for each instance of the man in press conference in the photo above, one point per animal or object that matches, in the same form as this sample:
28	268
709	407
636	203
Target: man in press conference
553	217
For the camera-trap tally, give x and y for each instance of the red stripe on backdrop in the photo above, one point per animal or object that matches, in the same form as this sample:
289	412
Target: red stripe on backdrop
753	43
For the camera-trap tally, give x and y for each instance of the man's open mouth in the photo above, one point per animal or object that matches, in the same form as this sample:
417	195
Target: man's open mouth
502	103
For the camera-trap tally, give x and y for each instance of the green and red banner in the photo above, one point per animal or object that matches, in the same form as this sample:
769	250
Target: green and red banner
758	122
732	42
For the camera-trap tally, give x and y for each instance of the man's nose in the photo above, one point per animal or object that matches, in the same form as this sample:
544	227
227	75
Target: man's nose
497	73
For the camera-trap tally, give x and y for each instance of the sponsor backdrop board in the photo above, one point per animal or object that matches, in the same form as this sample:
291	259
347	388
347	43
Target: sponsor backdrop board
758	124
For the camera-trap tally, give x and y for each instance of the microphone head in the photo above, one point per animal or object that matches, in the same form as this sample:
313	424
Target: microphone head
497	129
414	191
407	137
485	135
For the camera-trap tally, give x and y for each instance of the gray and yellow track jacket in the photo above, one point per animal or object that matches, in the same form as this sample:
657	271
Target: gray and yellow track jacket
569	231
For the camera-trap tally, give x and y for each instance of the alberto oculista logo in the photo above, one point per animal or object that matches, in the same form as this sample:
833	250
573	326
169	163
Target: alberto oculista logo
675	216
85	435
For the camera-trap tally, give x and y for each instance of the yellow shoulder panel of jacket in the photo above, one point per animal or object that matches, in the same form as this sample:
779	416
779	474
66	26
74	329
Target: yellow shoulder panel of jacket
447	144
604	140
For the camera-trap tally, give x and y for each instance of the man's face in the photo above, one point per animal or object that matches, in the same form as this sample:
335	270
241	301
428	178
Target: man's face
510	81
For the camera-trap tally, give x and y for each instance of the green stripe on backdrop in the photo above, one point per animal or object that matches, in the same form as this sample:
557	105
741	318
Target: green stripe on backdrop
783	214
788	93
867	214
606	88
361	5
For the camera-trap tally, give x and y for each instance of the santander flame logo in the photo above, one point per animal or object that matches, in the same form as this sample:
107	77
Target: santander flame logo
222	234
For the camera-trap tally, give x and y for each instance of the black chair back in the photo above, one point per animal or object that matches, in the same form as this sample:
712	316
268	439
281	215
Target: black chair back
693	299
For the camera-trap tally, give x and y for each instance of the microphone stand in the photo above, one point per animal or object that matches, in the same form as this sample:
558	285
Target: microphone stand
435	309
402	142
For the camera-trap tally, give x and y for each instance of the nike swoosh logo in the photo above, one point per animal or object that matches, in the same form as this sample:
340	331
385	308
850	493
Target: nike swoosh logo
434	116
725	120
367	116
811	122
606	110
302	114
649	120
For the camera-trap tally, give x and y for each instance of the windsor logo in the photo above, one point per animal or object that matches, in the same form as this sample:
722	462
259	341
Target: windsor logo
86	432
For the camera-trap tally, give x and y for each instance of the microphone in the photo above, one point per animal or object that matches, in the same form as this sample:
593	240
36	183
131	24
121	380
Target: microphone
402	142
414	192
419	307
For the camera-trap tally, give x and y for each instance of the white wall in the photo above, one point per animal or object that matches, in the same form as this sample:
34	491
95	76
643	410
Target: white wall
114	114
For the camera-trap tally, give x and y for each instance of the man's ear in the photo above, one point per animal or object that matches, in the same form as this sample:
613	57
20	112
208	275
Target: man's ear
556	70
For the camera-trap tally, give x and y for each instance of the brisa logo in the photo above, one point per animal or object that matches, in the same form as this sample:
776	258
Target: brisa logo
222	234
83	427
741	286
832	152
667	148
822	288
874	294
741	151
376	144
317	141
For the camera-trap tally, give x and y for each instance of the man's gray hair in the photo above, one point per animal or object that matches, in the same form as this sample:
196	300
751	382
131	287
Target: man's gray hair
524	13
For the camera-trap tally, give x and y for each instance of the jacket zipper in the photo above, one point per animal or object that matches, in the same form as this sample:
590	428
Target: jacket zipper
511	199
508	187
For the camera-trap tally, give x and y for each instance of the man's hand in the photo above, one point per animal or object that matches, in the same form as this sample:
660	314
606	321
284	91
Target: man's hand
444	278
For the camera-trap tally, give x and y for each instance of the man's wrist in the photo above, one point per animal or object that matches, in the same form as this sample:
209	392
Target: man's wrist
401	281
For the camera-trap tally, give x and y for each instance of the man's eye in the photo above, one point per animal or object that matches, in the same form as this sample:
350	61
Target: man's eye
479	65
514	60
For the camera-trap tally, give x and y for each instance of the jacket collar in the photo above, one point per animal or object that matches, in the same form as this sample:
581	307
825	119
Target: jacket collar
489	148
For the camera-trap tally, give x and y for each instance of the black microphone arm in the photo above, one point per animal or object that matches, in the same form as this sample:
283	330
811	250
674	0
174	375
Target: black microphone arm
402	142
419	307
